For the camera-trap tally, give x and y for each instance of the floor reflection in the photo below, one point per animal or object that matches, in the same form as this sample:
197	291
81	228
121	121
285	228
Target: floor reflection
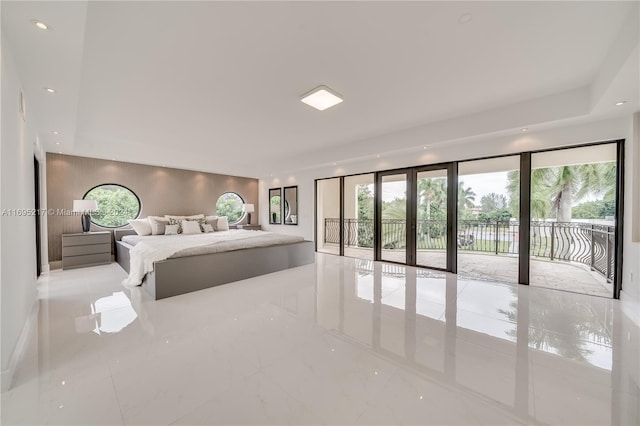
483	338
110	314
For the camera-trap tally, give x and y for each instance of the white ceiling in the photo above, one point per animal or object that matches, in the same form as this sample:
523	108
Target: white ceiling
215	86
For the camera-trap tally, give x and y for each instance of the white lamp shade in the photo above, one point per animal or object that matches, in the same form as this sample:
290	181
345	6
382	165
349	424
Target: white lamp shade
249	208
84	206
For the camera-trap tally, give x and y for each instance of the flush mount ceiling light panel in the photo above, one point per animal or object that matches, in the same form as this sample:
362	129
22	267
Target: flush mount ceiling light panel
321	98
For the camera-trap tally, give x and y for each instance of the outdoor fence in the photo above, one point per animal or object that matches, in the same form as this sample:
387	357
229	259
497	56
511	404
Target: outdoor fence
586	243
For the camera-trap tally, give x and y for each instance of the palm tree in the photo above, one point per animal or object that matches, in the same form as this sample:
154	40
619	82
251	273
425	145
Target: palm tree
466	197
555	189
431	191
566	184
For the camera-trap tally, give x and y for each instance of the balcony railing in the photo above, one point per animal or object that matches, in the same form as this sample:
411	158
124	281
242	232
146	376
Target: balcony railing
586	243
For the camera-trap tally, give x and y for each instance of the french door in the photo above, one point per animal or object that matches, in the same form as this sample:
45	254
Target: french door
415	215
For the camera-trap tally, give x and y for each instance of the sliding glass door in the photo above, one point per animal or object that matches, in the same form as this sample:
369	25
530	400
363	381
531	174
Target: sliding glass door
394	220
357	226
573	219
549	218
431	218
328	216
488	211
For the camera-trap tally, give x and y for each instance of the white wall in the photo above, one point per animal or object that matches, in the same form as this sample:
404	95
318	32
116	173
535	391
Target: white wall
631	257
18	252
611	129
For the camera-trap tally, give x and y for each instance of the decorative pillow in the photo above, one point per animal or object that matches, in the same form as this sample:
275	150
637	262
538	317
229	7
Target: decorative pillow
207	227
213	221
141	226
191	227
177	222
195	216
223	224
171	230
158	224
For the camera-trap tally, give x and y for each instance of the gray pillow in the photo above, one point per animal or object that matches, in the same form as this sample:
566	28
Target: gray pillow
158	225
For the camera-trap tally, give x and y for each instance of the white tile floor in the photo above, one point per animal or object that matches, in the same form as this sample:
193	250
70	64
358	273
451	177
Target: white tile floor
341	341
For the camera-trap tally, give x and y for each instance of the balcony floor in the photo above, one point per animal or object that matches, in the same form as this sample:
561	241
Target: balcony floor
567	276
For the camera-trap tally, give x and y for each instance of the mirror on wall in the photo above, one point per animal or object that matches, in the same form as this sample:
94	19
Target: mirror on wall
290	205
275	206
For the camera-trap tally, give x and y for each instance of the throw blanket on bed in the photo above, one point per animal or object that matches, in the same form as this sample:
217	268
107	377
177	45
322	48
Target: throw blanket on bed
145	253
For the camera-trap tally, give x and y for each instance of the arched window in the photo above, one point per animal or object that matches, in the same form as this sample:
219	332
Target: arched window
116	205
231	205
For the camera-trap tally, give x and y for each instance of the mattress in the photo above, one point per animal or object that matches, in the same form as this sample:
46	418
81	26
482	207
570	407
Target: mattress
253	239
147	250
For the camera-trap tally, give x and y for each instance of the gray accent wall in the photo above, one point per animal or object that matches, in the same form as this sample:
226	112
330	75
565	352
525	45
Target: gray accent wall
161	191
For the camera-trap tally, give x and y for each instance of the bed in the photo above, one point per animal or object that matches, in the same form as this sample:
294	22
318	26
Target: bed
209	265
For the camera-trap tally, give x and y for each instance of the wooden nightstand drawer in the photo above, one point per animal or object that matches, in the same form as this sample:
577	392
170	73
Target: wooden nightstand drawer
71	262
86	249
69	240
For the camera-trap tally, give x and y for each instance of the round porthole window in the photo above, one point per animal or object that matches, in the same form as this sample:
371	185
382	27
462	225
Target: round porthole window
117	204
231	205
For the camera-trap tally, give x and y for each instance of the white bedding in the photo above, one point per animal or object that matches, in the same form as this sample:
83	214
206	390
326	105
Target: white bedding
154	248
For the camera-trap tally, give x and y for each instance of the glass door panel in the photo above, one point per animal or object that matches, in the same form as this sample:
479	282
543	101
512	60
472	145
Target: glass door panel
431	218
359	202
488	212
328	214
394	218
573	211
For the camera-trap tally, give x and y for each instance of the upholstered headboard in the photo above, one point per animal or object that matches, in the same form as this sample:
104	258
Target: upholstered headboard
119	233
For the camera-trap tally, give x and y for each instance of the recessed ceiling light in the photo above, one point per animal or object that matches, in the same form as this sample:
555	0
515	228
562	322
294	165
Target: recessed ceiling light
465	18
425	147
50	90
55	132
57	143
335	164
321	98
41	25
621	103
378	156
524	129
59	152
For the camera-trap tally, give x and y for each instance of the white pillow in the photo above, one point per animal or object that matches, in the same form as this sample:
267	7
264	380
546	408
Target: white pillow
191	227
223	224
141	226
207	227
171	230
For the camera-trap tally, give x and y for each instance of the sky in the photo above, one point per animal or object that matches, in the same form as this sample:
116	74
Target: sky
482	184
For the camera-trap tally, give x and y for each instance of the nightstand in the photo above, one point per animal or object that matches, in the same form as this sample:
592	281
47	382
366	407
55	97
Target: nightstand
86	249
249	227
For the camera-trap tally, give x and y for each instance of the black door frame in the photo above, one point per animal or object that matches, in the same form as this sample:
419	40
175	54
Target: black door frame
36	184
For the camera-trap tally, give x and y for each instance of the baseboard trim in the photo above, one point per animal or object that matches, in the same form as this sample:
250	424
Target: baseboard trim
6	376
55	265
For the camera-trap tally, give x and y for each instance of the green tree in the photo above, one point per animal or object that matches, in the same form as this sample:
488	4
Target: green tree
274	208
493	201
230	205
116	205
365	216
365	203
